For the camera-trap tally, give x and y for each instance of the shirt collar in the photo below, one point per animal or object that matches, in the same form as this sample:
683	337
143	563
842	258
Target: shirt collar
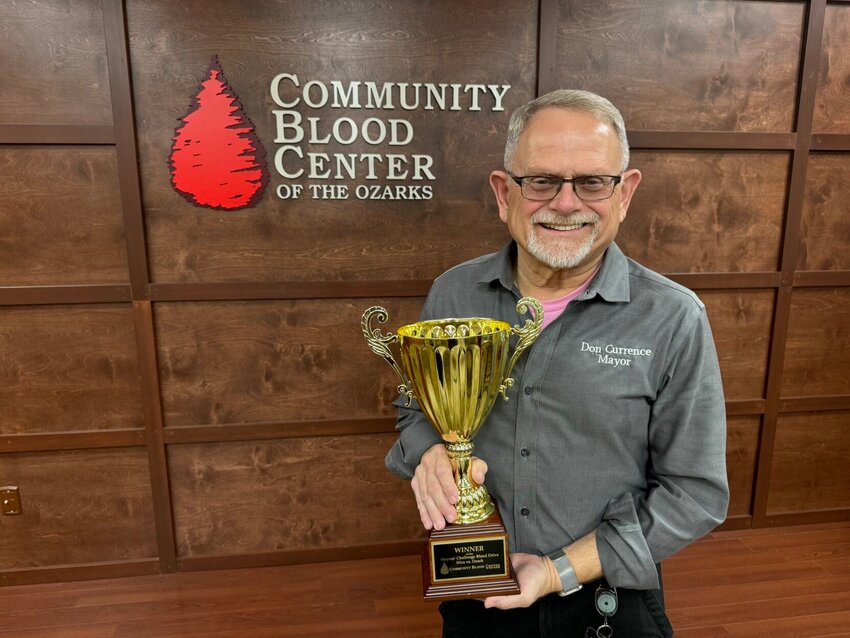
611	281
500	267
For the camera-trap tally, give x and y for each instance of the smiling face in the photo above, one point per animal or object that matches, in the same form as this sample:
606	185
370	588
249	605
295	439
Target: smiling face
564	233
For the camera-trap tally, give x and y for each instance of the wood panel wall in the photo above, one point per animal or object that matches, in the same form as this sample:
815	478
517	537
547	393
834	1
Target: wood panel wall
185	388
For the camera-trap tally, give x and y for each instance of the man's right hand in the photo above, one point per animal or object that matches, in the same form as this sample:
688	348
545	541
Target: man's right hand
434	486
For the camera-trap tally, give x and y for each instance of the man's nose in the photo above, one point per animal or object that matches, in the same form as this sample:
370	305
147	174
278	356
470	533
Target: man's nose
566	200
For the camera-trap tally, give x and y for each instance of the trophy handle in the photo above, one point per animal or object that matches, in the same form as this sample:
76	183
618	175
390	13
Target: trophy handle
527	334
379	344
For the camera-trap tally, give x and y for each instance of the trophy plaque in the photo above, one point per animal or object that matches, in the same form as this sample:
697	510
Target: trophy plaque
455	369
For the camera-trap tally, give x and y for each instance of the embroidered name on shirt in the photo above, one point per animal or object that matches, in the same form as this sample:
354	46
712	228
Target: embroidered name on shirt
621	353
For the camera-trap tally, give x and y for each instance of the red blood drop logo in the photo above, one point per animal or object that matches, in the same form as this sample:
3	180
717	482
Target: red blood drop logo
217	160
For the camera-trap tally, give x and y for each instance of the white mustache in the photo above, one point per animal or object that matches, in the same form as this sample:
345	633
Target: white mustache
547	217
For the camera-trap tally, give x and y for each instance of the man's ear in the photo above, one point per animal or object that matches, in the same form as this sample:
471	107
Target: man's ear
499	184
631	179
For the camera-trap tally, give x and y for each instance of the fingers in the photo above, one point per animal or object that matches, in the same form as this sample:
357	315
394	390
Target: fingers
479	470
434	487
505	602
531	573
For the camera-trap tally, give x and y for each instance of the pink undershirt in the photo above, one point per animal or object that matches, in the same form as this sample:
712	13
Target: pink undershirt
555	307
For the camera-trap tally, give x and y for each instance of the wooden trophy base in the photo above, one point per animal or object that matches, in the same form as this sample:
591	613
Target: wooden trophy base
468	561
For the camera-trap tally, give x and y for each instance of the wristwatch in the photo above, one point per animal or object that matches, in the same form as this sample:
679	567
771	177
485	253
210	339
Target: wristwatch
566	573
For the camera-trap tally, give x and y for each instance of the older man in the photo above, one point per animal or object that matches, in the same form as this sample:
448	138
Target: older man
611	455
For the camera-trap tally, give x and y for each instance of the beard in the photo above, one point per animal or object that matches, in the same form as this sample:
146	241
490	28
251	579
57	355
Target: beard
563	253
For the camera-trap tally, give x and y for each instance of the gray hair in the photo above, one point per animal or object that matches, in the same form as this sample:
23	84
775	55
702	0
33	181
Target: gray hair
576	100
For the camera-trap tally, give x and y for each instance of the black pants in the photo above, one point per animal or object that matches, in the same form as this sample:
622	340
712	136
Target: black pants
640	614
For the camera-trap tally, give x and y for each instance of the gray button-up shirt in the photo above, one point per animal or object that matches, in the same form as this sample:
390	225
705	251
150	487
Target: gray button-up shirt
616	420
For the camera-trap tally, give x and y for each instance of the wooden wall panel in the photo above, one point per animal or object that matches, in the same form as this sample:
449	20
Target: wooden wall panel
53	63
742	441
818	346
810	469
832	107
274	361
307	239
726	65
60	222
741	323
706	211
298	407
78	506
66	368
265	496
825	232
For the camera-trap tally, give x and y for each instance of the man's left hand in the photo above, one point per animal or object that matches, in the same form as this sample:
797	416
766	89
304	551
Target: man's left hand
536	579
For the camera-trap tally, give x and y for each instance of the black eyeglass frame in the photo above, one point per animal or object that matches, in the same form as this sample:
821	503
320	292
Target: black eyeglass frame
572	182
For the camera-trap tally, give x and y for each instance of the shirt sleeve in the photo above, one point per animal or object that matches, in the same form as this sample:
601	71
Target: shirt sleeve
415	436
687	489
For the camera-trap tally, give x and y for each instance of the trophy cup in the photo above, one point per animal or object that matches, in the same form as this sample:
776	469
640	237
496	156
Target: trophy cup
455	368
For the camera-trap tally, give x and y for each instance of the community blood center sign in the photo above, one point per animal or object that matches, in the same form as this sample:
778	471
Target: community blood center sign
218	161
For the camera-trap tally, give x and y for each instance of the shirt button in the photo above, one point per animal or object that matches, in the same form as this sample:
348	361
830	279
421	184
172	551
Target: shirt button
529	390
524	452
524	511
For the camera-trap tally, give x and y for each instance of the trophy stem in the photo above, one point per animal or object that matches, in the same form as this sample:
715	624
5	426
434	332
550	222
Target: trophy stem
474	504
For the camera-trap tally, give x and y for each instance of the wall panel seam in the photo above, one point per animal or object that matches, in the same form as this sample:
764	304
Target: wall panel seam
807	88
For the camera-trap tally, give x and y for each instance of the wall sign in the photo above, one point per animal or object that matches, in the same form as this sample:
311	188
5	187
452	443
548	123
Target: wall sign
383	160
217	160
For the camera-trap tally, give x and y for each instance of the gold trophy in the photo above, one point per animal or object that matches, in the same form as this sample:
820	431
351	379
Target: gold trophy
455	368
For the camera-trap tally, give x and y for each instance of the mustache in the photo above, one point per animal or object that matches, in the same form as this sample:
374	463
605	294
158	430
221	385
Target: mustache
548	217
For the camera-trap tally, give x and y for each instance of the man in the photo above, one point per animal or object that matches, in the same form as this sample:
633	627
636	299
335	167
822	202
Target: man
610	454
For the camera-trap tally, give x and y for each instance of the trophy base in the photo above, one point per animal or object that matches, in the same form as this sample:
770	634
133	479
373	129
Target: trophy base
468	561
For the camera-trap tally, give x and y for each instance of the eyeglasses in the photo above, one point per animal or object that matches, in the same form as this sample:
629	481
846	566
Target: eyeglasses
590	188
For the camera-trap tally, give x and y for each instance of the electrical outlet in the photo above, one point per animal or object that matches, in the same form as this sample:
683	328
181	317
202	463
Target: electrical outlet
10	500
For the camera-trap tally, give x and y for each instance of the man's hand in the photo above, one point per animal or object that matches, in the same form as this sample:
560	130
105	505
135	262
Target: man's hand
537	577
434	486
